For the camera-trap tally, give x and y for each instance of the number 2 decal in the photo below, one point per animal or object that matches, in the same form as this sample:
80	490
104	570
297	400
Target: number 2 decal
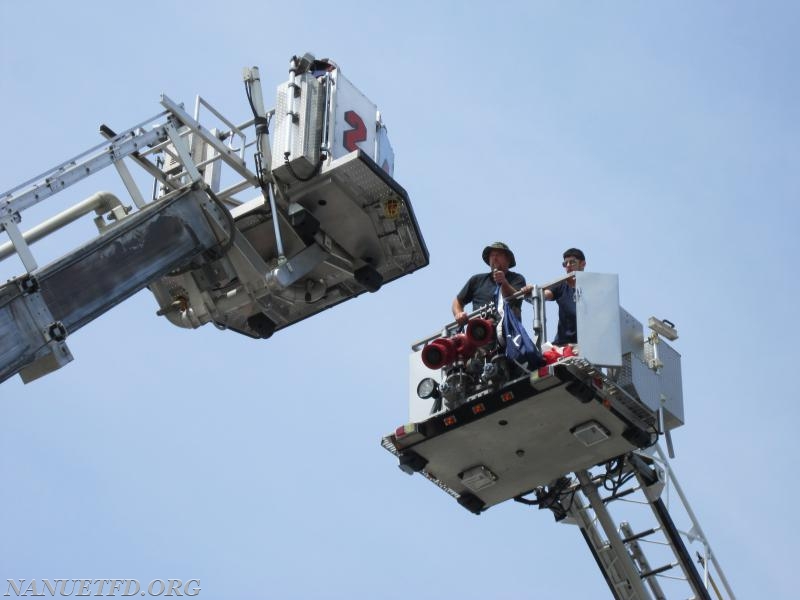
358	133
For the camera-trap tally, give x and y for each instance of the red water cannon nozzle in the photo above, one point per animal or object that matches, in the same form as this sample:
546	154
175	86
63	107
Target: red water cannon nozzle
438	353
480	331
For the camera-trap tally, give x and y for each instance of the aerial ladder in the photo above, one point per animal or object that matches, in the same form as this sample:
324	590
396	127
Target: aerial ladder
626	555
574	430
324	220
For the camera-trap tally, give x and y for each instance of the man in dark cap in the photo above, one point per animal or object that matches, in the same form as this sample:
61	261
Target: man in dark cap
482	288
564	295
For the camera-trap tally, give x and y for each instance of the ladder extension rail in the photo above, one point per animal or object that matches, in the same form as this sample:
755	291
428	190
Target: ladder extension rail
696	529
620	551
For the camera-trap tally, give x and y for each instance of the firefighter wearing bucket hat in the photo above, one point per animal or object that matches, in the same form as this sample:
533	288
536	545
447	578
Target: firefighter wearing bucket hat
481	289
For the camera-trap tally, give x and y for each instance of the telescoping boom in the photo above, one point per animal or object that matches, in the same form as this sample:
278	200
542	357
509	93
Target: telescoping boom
249	230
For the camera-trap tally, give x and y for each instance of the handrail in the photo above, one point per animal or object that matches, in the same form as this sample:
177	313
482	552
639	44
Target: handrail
536	296
453	326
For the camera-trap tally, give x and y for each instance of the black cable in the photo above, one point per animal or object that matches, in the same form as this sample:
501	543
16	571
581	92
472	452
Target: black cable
249	95
262	128
314	173
608	477
616	481
551	497
257	157
522	500
261	123
654	433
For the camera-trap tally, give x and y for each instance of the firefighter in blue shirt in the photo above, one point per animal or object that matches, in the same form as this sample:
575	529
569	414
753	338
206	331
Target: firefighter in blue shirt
564	295
481	289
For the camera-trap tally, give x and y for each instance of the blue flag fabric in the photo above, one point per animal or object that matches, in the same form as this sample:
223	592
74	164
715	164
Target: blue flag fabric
519	345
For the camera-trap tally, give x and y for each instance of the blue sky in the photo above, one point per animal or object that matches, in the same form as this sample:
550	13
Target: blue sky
661	138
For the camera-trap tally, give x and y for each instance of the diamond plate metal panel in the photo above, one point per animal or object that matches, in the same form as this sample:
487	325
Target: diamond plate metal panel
306	131
631	333
662	387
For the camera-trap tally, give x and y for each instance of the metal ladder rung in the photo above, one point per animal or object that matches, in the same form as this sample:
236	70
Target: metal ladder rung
621	494
638	536
653	572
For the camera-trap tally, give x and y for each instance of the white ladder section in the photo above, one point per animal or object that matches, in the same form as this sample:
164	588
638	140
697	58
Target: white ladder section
642	553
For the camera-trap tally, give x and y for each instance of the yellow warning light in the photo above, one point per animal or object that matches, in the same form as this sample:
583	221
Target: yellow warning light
449	421
478	408
507	396
391	208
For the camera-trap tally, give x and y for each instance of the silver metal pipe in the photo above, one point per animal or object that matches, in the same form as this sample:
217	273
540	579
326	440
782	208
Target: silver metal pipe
18	243
276	225
262	138
537	300
101	202
71	173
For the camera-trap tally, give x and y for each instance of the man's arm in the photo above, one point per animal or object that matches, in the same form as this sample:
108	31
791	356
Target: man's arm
458	311
548	293
505	286
463	297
